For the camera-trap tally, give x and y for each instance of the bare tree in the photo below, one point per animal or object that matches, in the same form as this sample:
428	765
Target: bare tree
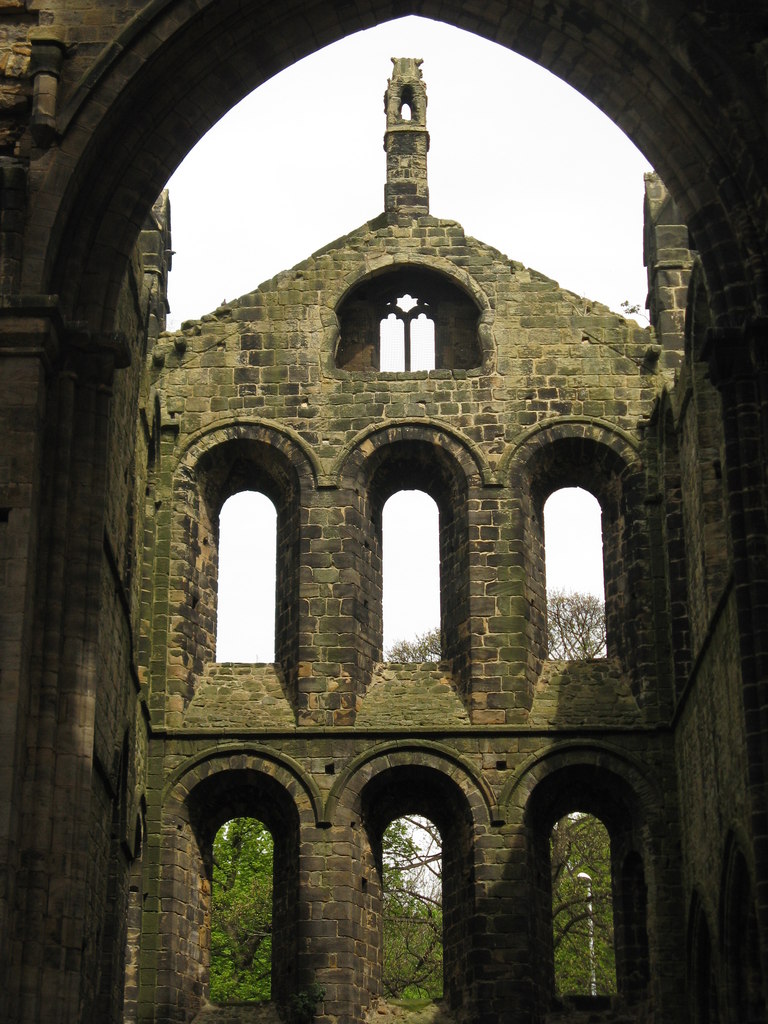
424	647
575	626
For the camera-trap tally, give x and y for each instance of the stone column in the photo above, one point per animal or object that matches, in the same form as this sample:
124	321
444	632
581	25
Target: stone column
739	369
61	459
29	340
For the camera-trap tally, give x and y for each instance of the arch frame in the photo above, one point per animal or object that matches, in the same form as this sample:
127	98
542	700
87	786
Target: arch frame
223	757
713	170
440	757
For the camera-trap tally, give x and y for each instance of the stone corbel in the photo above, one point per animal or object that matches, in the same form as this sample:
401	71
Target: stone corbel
95	357
48	53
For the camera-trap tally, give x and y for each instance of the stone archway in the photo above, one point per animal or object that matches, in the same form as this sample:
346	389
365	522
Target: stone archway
133	97
176	69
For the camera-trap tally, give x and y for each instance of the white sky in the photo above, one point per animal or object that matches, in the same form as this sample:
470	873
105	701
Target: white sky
520	159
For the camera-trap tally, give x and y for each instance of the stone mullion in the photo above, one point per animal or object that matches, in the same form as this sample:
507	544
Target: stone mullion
733	357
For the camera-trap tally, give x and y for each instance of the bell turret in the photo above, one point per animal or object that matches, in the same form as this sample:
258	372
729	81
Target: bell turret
406	140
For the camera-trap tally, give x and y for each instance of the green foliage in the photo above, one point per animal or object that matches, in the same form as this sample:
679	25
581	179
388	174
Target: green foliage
412	911
241	913
575	626
633	309
303	1005
424	647
582	908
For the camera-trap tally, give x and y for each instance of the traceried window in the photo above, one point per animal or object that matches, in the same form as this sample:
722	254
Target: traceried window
408	320
407	337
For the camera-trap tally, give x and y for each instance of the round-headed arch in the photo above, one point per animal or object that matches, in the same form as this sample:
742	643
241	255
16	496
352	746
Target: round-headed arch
598	778
439	759
220	783
184	63
433	266
572	452
451	453
225	452
459	310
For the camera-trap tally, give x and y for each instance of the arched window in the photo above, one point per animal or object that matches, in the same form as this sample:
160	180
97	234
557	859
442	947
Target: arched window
246	594
411	574
407	336
582	906
408	319
574	574
415	815
406	104
412	909
241	913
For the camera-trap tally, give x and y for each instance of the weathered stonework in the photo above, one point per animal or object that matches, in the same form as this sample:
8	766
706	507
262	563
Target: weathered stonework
124	745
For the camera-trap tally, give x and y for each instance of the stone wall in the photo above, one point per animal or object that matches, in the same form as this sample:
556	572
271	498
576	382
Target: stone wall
495	742
123	744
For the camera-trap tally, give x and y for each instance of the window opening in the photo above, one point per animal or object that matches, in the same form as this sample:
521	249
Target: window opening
392	345
407	336
241	913
582	907
574	574
411	574
406	104
422	343
412	909
245	626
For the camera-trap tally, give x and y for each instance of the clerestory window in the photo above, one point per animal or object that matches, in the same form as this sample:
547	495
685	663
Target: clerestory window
247	567
411	573
574	573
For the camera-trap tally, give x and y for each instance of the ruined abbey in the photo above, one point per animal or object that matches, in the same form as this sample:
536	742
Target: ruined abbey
126	744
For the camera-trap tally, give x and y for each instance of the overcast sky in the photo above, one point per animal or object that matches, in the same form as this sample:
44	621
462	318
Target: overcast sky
520	159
